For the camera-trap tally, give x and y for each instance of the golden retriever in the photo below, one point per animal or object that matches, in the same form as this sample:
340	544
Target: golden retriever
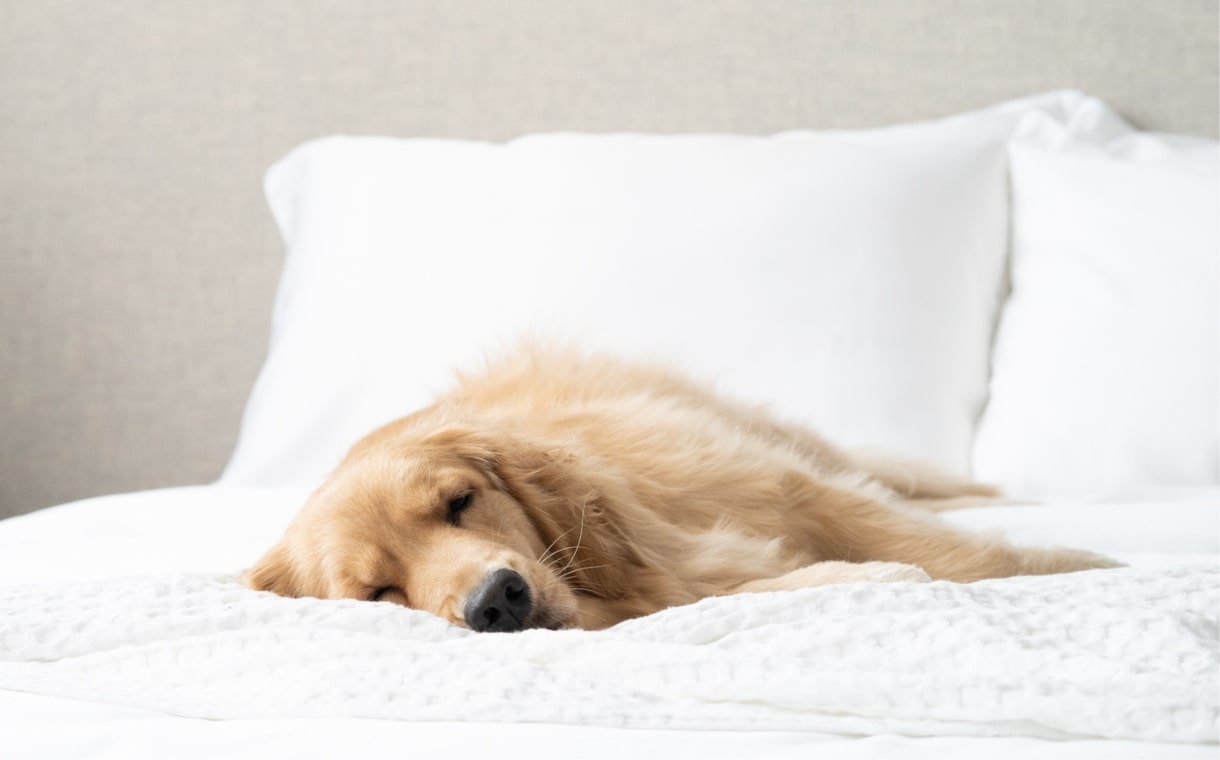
559	490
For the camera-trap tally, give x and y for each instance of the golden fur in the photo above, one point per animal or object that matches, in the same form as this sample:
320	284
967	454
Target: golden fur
613	490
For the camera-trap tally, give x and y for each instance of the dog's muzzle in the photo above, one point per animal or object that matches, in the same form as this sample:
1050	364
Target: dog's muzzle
501	603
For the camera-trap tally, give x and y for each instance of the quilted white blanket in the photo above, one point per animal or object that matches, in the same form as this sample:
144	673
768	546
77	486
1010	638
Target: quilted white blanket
1120	653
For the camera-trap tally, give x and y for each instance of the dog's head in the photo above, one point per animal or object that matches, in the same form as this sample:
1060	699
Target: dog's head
478	529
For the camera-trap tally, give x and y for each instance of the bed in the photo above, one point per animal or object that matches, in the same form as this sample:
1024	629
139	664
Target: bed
1014	277
130	643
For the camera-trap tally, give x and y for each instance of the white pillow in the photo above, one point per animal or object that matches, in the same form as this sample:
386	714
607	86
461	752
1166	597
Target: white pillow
1105	370
848	279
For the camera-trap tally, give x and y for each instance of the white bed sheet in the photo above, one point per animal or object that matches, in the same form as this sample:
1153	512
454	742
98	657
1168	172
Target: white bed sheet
213	530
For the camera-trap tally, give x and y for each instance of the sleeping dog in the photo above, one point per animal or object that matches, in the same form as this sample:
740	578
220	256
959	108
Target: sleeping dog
556	490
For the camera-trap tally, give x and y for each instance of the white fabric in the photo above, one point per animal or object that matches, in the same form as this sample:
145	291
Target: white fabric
178	540
1124	653
117	602
46	728
1106	361
850	279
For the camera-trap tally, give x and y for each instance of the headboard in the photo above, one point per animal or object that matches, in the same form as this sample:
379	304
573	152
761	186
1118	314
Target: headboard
137	259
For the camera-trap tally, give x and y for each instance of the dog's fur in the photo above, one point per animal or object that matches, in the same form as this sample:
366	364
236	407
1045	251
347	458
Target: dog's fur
614	490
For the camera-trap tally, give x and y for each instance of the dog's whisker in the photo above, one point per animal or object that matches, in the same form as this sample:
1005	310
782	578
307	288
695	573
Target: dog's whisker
574	571
582	566
556	554
547	553
554	558
580	536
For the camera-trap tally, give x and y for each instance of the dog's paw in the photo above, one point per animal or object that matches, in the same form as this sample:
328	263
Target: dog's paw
893	572
835	571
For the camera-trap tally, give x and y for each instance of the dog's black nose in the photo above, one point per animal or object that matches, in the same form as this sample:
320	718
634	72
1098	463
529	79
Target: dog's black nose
500	603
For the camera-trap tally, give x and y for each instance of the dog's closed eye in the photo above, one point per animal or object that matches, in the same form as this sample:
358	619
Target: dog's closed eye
389	594
457	505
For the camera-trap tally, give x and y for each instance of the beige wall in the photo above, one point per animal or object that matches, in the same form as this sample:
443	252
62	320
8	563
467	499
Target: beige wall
137	261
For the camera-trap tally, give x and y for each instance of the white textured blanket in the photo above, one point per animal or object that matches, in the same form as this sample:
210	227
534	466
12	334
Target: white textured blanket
1118	653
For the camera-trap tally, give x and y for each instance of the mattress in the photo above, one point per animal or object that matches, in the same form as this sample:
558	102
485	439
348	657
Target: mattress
123	633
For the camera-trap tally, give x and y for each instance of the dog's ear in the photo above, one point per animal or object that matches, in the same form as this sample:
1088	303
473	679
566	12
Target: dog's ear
572	505
527	470
480	450
274	572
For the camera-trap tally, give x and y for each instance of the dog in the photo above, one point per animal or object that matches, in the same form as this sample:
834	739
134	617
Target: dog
559	490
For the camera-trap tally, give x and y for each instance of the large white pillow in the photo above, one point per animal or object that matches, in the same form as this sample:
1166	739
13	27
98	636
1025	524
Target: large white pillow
1105	373
848	279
